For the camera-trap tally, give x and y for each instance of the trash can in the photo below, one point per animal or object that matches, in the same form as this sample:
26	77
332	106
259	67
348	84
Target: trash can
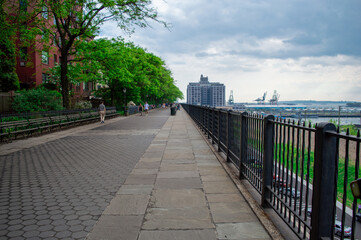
172	111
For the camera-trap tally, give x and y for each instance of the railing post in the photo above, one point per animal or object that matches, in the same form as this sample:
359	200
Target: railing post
243	143
228	133
213	112
209	122
202	108
205	119
198	115
324	183
219	130
268	145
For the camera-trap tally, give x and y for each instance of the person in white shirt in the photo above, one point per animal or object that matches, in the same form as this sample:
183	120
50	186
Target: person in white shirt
102	112
146	107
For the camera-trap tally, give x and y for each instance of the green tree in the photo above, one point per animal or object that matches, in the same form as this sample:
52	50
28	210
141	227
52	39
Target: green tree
106	62
153	77
8	78
79	20
118	65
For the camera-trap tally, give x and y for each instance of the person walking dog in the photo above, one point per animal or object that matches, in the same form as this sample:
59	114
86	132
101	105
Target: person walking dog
102	111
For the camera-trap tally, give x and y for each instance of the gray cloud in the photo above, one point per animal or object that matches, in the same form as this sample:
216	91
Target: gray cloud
286	45
304	39
307	28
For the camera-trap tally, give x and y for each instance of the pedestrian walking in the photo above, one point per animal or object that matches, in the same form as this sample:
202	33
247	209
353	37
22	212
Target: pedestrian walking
102	111
140	108
146	107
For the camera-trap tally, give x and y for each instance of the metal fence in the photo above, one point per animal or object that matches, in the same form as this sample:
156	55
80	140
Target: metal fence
302	173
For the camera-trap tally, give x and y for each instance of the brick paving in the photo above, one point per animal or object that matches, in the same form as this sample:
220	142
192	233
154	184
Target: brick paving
59	189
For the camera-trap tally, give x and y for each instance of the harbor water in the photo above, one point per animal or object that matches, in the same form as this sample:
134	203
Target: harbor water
343	120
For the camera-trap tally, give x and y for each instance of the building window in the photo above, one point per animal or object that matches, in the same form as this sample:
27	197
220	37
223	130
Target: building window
45	57
54	21
78	87
43	36
23	56
22	37
45	13
55	59
85	86
45	78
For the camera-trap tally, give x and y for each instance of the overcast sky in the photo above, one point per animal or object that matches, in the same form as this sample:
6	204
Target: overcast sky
304	49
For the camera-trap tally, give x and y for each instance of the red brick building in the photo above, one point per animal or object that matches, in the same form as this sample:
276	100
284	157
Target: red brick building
33	63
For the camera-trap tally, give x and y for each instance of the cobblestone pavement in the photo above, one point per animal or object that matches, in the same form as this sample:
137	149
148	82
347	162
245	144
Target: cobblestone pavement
59	189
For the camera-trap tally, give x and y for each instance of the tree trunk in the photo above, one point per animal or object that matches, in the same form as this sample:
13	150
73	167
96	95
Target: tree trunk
64	80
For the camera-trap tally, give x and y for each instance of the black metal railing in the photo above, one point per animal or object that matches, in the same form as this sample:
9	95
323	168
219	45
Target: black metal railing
302	173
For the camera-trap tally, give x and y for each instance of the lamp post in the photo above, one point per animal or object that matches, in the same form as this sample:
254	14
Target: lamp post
125	101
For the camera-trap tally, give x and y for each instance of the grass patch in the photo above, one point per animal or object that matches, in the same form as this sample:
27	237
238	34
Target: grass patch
295	159
340	181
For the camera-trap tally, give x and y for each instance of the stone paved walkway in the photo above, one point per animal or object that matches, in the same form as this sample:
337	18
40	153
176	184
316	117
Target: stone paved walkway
178	190
56	186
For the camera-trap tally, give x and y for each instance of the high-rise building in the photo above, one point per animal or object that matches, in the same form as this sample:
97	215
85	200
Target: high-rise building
206	93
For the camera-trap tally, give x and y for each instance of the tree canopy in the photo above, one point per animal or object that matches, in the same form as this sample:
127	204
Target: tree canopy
67	23
8	78
120	65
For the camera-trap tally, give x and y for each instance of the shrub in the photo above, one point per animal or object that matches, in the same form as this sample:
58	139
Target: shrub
37	100
83	105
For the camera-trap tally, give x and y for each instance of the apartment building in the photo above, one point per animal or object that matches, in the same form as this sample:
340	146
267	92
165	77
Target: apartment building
206	93
33	62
